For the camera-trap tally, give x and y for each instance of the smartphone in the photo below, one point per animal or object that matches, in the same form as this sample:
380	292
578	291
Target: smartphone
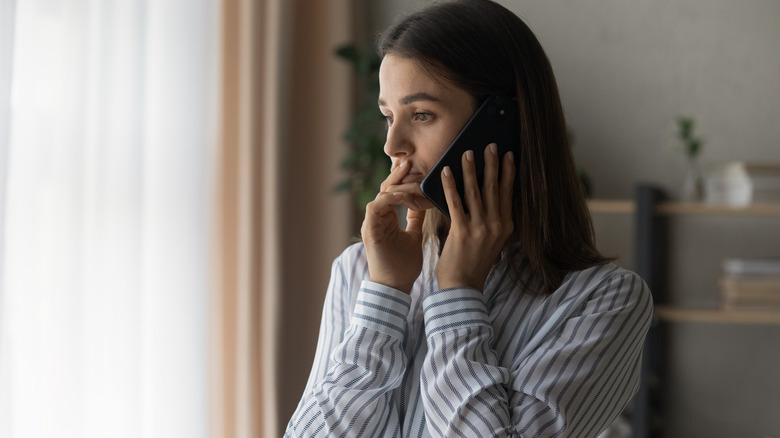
495	121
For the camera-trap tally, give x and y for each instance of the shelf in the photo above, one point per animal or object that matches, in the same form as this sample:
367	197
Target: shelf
674	314
611	206
684	208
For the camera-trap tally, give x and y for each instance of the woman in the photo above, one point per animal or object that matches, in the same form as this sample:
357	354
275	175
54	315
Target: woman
504	321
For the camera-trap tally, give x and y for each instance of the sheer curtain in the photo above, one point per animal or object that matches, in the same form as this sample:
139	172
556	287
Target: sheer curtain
286	103
285	106
107	143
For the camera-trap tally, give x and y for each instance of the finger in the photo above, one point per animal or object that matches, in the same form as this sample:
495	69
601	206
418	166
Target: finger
414	190
413	202
417	203
395	177
414	222
384	203
423	203
470	186
490	181
507	186
381	213
457	216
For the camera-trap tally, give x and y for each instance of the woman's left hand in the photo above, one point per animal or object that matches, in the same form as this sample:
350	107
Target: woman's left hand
476	238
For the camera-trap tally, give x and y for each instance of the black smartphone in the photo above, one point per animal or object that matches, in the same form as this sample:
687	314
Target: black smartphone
495	121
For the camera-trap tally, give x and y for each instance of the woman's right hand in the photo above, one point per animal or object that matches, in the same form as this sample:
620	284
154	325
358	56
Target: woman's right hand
394	254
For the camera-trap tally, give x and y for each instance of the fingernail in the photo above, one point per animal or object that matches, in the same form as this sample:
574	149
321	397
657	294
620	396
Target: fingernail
470	155
446	171
493	148
511	156
403	164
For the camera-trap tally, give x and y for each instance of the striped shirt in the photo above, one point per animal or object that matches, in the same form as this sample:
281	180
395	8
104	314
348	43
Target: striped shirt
501	362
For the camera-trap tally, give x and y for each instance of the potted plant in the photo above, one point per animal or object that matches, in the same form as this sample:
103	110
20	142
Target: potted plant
365	163
692	189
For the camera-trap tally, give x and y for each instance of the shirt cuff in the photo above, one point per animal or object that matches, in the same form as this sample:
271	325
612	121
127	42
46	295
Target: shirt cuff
454	308
382	308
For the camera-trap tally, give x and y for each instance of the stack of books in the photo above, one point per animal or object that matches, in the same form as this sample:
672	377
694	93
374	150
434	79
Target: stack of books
738	183
750	284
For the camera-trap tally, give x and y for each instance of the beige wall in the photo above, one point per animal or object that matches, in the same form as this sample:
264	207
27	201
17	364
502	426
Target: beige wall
625	70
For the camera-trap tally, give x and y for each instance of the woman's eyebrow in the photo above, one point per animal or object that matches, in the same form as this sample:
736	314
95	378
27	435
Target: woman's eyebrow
411	98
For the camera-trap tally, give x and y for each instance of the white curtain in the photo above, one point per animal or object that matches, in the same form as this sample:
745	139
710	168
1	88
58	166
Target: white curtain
108	113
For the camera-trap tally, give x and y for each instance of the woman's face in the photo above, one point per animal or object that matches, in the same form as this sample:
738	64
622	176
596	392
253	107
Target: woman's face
423	114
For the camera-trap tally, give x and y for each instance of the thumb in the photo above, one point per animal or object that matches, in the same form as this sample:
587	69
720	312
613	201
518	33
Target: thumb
414	221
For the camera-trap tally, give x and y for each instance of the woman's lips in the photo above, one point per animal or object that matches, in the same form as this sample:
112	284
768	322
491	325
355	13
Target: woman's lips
412	177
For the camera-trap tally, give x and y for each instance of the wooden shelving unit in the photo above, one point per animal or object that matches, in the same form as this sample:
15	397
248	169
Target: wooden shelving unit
681	208
604	206
673	314
611	206
718	316
651	213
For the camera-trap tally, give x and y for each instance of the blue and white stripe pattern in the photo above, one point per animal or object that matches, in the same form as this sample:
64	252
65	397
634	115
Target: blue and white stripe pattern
460	362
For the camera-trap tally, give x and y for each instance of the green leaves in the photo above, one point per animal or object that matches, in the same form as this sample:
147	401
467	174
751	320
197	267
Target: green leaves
365	62
365	163
691	144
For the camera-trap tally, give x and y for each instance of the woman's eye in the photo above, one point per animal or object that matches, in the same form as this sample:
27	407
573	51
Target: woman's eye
387	119
423	117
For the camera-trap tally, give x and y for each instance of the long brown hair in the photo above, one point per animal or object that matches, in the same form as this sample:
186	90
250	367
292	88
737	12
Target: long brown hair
485	49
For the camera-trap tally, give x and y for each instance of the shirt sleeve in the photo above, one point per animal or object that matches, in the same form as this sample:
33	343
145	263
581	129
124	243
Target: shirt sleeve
463	387
359	362
573	380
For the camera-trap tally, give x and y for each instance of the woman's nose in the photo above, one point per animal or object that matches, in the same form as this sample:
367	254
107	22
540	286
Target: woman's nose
397	143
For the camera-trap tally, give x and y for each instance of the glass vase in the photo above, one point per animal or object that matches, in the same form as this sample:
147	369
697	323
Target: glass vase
693	184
